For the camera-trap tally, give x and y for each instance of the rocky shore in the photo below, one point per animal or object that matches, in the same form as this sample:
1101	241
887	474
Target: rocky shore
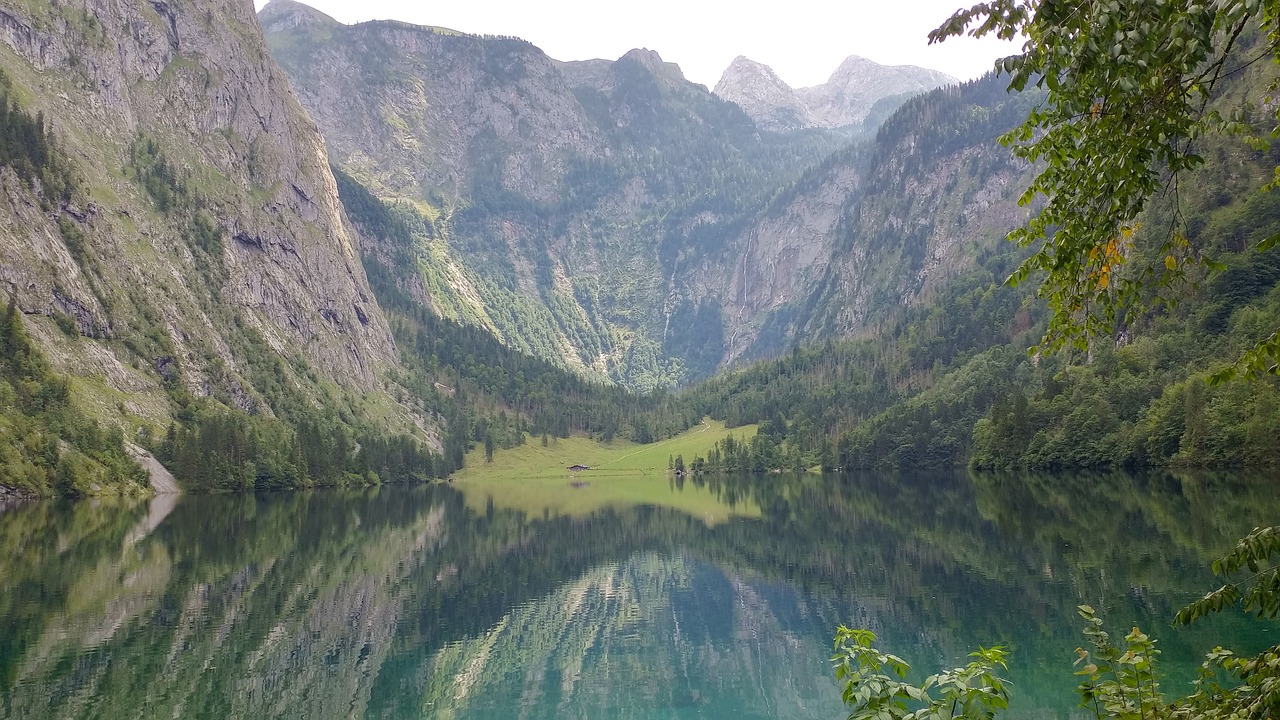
11	497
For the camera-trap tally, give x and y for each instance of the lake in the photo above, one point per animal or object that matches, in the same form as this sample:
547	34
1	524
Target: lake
440	602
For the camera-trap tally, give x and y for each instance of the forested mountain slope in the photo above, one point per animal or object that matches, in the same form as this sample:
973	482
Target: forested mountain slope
553	200
949	381
879	228
600	214
171	231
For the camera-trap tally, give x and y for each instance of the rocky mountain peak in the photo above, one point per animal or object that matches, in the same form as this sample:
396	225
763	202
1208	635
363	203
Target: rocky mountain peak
852	67
764	96
860	75
845	100
743	65
280	15
653	62
858	83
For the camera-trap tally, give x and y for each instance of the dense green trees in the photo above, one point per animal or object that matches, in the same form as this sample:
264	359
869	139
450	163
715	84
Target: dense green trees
48	446
1131	94
28	148
216	449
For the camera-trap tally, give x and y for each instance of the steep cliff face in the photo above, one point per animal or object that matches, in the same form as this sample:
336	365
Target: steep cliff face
939	191
876	228
846	100
784	254
205	228
555	202
433	99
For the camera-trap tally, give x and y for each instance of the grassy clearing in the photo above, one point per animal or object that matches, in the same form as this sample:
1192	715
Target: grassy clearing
534	478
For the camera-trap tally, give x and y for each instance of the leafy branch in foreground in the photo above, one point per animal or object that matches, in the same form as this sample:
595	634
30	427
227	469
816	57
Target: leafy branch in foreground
1228	686
876	688
1262	594
1118	683
1120	680
1129	84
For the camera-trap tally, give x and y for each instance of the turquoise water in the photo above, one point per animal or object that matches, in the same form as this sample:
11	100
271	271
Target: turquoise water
399	602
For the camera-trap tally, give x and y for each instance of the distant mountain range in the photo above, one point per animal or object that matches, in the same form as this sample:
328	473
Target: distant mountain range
857	91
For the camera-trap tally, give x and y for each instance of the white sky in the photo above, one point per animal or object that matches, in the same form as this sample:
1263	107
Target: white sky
802	40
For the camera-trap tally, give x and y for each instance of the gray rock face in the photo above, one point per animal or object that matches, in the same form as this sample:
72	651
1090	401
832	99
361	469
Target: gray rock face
758	90
561	192
785	253
435	100
195	79
846	99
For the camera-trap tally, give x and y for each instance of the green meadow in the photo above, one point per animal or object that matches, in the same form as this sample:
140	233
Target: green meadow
537	480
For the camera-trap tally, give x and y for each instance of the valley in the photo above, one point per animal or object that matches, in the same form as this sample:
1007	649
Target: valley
404	244
387	370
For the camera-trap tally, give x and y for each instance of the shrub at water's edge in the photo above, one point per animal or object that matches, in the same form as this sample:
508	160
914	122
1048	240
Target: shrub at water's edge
1120	680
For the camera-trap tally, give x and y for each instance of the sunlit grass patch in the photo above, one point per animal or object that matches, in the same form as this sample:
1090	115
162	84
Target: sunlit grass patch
536	479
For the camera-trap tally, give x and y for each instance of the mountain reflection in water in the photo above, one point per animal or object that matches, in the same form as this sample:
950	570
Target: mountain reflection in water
400	602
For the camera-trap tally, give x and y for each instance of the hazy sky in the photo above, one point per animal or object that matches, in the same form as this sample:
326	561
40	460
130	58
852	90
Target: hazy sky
802	40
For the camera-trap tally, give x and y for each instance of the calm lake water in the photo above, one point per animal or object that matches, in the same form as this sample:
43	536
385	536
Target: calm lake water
406	602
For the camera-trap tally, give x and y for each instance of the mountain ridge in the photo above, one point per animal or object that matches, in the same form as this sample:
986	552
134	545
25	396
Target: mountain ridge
671	235
560	195
845	100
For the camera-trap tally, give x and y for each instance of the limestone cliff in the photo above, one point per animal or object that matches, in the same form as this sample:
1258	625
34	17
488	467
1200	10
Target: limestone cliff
874	229
205	229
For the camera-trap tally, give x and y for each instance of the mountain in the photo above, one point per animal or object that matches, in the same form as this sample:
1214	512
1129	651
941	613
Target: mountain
763	96
612	217
285	251
174	237
183	102
859	90
574	209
